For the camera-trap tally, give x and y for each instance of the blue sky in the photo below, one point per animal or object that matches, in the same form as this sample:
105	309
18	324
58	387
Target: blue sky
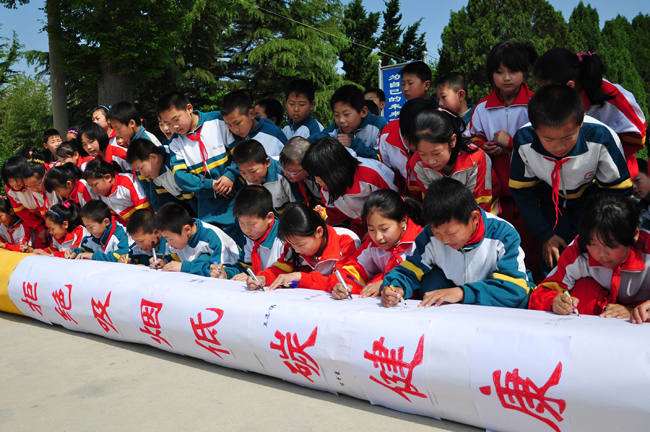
28	20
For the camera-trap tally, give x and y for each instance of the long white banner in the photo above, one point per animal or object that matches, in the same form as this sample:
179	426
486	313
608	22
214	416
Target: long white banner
500	369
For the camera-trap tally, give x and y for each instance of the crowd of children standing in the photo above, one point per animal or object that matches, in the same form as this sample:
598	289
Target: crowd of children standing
521	200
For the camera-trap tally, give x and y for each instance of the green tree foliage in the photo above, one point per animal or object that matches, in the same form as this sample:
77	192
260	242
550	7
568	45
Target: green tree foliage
584	28
413	45
359	64
477	27
639	46
391	32
9	55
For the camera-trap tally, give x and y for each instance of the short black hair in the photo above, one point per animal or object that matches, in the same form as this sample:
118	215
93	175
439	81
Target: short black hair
513	55
249	150
67	149
102	108
253	200
140	220
13	168
58	176
171	99
124	112
446	200
34	167
437	125
455	81
237	100
643	165
49	134
613	218
410	111
60	213
301	87
418	68
294	150
172	217
372	107
272	109
28	151
391	205
376	90
140	149
328	159
98	168
554	105
349	94
95	210
94	132
5	205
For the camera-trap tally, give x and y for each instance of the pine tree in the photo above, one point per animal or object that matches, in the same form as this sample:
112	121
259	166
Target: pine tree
584	28
360	27
413	46
9	55
639	46
391	32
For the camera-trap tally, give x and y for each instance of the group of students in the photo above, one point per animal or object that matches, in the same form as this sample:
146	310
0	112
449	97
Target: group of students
449	203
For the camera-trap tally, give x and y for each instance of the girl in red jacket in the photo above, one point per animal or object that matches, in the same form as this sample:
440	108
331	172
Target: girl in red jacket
66	180
311	252
65	227
392	223
15	235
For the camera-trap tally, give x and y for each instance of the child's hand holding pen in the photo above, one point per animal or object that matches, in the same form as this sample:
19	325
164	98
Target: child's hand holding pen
253	282
160	263
217	271
392	296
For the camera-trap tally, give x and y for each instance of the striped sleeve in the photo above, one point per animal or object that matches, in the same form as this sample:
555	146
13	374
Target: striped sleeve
409	273
360	267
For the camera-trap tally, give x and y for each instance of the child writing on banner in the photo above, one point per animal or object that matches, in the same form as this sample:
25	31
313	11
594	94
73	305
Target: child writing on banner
253	209
604	101
65	228
15	235
144	239
68	183
257	168
99	116
239	115
345	181
303	184
299	101
558	160
443	151
463	255
96	143
312	250
127	123
270	109
392	223
451	91
21	199
107	240
200	159
192	245
604	268
353	126
120	192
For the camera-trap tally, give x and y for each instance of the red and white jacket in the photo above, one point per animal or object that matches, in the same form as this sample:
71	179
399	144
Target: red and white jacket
44	201
125	197
629	284
474	170
371	175
370	262
25	207
117	154
71	240
396	155
492	115
82	193
624	115
341	244
83	161
112	138
16	235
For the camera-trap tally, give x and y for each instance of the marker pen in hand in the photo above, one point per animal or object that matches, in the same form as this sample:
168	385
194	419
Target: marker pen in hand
251	274
339	276
155	256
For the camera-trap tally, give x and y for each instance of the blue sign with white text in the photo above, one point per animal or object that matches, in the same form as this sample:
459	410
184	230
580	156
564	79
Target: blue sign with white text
391	84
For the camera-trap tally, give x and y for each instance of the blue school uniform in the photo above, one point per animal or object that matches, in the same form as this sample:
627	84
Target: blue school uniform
491	272
365	139
304	128
282	190
270	250
267	134
110	247
142	133
140	256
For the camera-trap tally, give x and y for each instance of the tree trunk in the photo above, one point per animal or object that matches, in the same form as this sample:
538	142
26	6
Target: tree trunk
114	87
57	77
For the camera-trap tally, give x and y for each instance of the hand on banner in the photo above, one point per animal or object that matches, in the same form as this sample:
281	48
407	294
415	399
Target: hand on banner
38	252
172	266
69	254
241	277
124	259
26	249
641	313
339	292
372	289
285	280
160	263
253	285
223	186
390	298
85	256
614	310
551	250
217	271
438	297
563	304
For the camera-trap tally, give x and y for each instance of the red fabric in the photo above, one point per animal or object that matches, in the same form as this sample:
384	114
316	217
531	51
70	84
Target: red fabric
255	253
479	233
196	136
555	176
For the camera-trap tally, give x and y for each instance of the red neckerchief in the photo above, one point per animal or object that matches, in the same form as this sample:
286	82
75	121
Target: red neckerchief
255	253
405	243
110	233
555	177
196	136
479	233
112	134
302	191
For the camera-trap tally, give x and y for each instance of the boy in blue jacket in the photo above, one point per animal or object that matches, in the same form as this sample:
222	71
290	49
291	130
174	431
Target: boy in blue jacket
192	245
143	237
463	255
353	126
299	100
107	240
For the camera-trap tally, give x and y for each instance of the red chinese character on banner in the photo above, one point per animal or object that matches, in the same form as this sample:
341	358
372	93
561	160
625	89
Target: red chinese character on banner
296	359
101	314
396	374
149	312
205	332
29	291
522	394
63	307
